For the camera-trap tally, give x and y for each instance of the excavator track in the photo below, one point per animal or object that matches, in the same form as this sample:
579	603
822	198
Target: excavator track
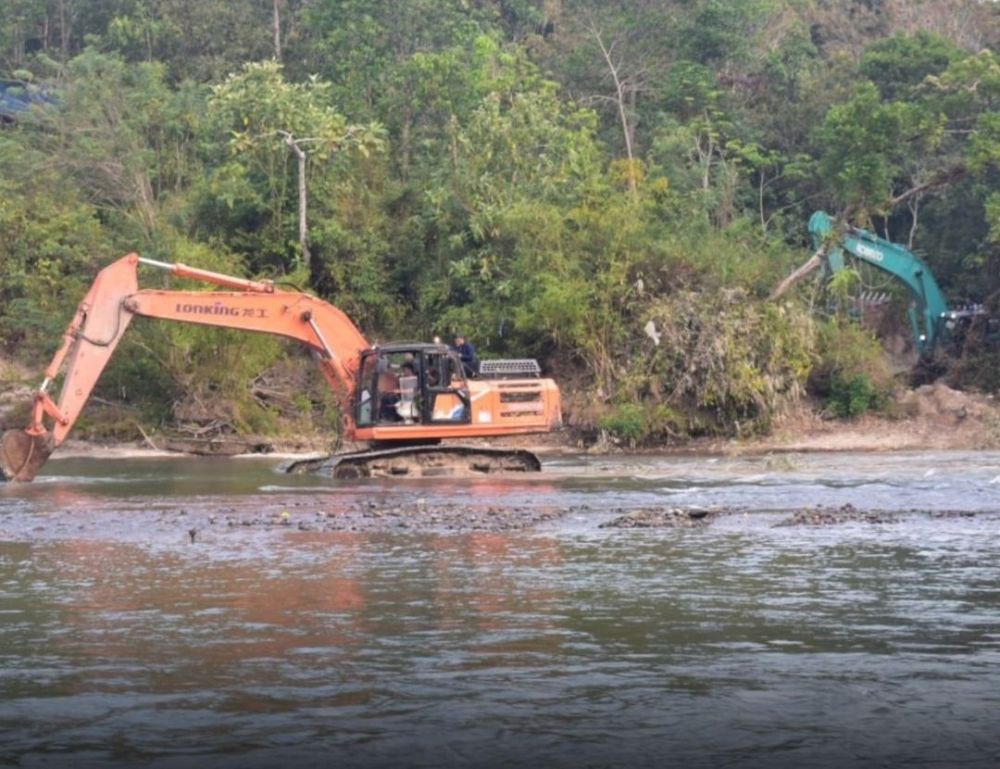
420	462
22	455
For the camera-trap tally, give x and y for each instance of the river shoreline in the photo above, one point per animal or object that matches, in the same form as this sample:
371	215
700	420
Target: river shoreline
806	432
931	417
176	500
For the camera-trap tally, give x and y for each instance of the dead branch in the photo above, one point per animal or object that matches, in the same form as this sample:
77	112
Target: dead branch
216	426
149	441
808	266
941	178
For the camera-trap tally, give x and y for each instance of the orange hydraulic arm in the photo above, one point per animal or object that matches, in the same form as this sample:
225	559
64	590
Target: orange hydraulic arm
456	408
115	298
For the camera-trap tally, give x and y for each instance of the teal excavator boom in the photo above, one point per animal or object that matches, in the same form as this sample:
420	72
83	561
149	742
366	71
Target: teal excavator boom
930	317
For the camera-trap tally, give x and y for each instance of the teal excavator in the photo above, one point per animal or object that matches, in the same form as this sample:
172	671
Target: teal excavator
932	321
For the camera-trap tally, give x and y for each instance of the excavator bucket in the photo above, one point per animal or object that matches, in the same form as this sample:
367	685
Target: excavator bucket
22	455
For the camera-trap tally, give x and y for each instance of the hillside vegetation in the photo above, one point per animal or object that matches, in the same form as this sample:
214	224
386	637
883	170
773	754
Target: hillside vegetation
611	187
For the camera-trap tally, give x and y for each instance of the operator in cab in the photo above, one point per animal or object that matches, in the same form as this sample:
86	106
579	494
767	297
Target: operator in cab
467	354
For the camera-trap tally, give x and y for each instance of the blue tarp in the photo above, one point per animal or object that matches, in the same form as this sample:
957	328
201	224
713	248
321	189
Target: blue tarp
16	98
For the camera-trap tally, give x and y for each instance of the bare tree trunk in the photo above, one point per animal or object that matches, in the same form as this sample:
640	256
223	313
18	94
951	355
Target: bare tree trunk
303	199
18	55
760	203
277	31
620	101
404	142
633	97
914	205
146	201
704	156
63	32
808	266
727	198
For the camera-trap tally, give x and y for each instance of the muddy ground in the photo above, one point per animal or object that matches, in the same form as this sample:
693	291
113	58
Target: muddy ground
929	417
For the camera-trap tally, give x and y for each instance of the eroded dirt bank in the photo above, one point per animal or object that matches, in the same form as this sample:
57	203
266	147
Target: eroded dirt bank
929	417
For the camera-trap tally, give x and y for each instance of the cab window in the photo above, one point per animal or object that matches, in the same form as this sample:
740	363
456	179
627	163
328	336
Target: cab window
364	413
447	390
396	395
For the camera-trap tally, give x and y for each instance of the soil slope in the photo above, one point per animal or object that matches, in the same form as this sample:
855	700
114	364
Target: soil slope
930	417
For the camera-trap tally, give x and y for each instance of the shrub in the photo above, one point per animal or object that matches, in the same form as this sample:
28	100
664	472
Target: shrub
851	373
853	396
731	363
979	370
627	422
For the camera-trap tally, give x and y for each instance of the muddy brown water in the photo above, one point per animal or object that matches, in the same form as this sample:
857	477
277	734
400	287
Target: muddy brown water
493	622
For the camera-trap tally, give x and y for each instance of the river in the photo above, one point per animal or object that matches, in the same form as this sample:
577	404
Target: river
215	612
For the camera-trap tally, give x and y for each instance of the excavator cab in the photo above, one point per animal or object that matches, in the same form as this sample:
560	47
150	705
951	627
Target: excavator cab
411	384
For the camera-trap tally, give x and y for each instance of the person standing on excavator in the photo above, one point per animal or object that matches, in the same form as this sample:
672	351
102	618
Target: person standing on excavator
467	354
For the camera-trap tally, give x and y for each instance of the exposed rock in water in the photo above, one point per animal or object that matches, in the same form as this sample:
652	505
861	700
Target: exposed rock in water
832	516
952	514
662	518
377	516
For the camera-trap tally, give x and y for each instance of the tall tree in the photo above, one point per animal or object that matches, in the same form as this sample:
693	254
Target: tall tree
267	115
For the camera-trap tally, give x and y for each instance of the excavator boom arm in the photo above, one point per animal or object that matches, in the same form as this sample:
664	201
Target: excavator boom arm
930	308
114	298
301	317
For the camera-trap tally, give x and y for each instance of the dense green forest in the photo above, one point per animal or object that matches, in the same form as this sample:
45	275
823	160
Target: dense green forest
612	187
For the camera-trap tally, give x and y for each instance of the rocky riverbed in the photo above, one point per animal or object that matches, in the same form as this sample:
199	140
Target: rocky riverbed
198	523
180	501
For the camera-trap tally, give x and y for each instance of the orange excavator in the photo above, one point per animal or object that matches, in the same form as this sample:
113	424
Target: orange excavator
402	399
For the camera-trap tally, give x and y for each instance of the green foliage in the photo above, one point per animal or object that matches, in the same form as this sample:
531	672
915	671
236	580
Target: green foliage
850	373
270	124
735	362
862	140
466	168
993	216
690	89
843	285
47	252
644	424
899	64
627	422
210	370
852	397
260	108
